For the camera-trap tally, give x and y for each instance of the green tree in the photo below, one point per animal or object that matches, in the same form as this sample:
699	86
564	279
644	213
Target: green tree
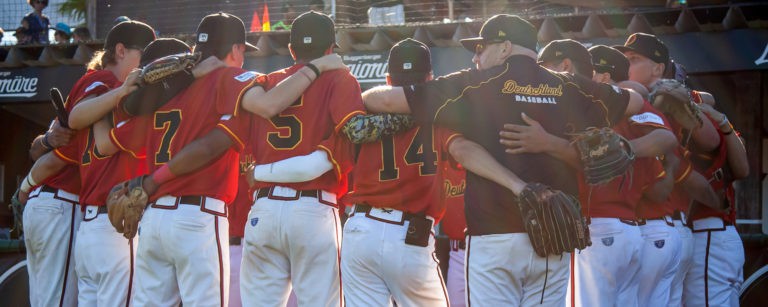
76	9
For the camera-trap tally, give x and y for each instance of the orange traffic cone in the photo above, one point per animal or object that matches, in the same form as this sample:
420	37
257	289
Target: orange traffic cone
265	25
255	23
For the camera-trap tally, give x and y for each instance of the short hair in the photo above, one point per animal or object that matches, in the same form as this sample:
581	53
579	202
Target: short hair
83	33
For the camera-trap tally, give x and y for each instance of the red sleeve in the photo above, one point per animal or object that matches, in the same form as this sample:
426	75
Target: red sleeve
238	128
231	89
649	117
345	98
341	153
131	135
685	164
654	172
71	152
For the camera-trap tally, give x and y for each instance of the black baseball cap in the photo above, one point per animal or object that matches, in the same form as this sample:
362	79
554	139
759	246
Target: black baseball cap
609	60
221	29
409	62
504	27
647	45
312	31
132	34
559	50
162	47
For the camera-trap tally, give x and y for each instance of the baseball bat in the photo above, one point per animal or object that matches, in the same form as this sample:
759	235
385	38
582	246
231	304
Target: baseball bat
58	104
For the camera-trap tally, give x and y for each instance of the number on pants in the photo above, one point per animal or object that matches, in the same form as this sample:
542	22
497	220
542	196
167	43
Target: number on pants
420	151
170	121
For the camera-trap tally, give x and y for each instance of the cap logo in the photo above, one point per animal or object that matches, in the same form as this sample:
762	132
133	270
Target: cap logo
202	37
656	52
631	40
307	39
558	53
603	61
501	33
406	65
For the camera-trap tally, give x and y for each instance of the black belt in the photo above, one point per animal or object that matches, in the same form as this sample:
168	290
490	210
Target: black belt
641	222
677	215
367	208
457	245
100	210
264	192
235	240
48	189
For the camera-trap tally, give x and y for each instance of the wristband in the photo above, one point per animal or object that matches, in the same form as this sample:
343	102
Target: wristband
163	175
45	143
313	68
27	183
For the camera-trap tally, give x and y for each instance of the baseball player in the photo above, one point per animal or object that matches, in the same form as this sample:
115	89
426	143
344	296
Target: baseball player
277	251
604	274
102	257
178	257
648	57
51	220
502	267
453	182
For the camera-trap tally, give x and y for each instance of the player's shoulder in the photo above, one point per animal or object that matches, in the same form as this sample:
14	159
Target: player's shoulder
97	78
236	74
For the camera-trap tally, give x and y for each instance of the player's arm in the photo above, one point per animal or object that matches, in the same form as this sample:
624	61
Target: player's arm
735	150
193	156
655	143
366	128
635	103
476	159
386	99
293	169
269	103
56	137
47	165
659	190
699	189
705	137
101	137
532	138
92	108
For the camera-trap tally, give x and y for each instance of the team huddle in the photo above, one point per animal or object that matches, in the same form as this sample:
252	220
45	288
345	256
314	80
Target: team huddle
218	185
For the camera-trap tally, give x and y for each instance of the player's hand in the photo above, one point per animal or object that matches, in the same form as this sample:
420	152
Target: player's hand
329	62
149	185
23	197
208	65
709	110
59	136
521	138
249	175
130	84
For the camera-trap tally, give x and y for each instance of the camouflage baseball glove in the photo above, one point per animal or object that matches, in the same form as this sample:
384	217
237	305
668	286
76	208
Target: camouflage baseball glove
673	98
17	208
553	220
165	67
125	206
604	154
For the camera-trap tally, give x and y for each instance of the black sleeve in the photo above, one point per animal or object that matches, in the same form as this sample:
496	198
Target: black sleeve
440	101
149	98
606	104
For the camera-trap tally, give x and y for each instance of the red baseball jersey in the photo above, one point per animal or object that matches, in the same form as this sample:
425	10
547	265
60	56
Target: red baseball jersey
238	210
211	102
453	183
98	173
93	82
316	116
398	171
619	197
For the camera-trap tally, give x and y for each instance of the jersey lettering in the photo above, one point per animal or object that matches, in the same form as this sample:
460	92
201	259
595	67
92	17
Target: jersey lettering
420	151
170	121
286	142
90	150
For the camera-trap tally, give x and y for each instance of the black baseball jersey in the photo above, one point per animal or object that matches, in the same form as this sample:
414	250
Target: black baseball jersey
477	103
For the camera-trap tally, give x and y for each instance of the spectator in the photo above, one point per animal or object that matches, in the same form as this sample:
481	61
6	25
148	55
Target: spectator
63	33
81	35
21	36
35	23
119	19
3	51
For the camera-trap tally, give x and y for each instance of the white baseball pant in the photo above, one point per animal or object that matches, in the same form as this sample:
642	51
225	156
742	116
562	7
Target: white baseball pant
504	270
183	253
292	243
377	266
659	262
235	258
457	284
686	257
51	220
104	262
606	273
716	273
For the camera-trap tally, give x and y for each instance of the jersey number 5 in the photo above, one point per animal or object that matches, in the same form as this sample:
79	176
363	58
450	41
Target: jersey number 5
420	151
169	121
279	140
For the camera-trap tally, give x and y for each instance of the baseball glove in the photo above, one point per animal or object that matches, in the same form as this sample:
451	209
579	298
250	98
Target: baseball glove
604	154
17	208
165	67
672	97
553	220
125	206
